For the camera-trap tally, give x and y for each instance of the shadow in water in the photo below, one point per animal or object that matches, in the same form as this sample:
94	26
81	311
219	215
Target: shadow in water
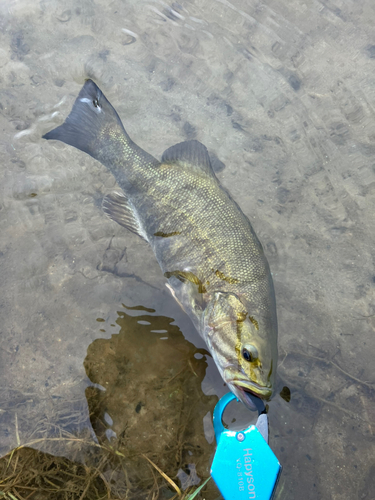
147	399
145	403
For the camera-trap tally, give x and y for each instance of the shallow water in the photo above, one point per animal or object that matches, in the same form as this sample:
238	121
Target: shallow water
283	94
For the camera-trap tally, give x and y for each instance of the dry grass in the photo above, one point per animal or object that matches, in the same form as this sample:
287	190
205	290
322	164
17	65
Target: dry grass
29	474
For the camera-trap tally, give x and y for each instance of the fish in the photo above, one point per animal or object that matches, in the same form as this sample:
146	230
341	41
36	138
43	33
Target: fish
207	249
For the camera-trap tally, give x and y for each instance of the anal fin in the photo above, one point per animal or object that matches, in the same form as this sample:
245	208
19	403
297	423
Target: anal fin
118	208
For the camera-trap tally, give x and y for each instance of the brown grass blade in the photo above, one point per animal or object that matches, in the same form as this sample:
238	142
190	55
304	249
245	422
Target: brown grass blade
170	481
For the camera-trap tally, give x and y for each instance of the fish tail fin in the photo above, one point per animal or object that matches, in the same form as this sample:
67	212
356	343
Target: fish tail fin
90	124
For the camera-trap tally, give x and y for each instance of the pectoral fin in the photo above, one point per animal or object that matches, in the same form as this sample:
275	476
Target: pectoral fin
118	208
187	292
187	276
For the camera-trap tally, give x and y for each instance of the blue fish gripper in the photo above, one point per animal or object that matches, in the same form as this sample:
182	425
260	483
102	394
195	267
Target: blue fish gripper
244	466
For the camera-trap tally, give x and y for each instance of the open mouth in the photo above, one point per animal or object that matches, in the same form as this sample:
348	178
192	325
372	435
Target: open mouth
251	394
254	389
252	400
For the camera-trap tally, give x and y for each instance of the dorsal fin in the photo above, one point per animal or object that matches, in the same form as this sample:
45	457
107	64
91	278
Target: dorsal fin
118	208
192	153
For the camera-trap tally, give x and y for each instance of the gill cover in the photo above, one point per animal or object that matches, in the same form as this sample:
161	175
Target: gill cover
239	346
224	308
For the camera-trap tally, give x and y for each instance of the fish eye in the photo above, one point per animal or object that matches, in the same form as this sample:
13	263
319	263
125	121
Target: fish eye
249	353
96	102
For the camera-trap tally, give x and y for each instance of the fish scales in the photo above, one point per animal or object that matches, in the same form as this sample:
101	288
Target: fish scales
206	247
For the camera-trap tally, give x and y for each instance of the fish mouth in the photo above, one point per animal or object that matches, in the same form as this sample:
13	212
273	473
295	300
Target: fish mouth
246	387
252	395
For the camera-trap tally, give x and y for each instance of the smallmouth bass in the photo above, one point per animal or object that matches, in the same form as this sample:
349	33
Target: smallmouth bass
206	247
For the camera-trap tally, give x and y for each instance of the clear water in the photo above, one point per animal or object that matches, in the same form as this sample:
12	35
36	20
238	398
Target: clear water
282	92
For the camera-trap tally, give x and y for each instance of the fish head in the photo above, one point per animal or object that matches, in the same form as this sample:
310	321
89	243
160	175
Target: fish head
243	345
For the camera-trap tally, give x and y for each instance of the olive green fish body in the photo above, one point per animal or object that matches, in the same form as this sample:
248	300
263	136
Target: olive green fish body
205	245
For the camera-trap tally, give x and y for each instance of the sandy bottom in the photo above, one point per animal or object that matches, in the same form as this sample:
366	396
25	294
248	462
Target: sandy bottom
282	93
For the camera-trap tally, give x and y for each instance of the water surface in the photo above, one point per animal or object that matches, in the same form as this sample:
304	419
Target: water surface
282	93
